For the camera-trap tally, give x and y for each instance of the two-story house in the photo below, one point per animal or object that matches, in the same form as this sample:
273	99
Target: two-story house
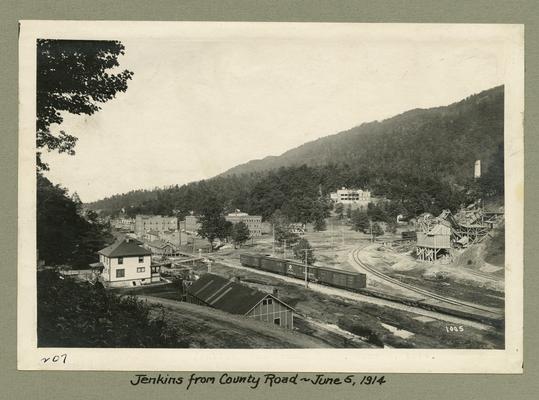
126	263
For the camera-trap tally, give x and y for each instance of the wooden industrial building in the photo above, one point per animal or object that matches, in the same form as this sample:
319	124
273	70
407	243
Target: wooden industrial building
434	242
235	298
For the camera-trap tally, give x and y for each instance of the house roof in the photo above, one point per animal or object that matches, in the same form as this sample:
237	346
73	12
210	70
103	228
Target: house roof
124	248
226	295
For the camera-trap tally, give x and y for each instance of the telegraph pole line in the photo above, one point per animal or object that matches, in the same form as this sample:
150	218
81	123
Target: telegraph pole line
306	267
273	242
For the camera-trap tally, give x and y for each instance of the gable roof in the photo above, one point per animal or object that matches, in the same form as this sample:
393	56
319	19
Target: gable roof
124	248
226	295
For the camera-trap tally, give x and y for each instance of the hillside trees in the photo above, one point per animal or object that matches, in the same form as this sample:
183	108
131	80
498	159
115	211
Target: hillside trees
421	161
64	234
360	221
73	76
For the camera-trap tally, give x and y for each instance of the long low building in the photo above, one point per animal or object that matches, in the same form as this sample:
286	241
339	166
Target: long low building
230	296
159	223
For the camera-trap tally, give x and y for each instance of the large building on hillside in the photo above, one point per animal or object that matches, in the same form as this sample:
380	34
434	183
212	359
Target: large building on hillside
253	222
356	198
144	223
126	263
233	297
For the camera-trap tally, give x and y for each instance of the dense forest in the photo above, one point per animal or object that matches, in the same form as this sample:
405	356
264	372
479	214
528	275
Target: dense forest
421	161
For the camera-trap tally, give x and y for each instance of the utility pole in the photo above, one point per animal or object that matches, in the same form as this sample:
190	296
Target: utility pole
331	232
306	267
273	241
284	248
179	233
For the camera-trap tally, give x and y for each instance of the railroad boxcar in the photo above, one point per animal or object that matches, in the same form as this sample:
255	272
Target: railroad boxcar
327	276
250	260
297	270
341	279
274	265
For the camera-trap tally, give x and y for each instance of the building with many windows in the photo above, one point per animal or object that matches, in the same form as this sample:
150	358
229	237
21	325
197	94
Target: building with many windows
159	223
253	222
356	198
191	224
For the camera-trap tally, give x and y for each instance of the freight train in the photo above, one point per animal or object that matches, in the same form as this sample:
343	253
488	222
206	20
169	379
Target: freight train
353	281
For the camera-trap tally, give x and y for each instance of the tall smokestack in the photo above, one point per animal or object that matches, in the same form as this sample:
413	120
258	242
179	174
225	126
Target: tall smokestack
477	169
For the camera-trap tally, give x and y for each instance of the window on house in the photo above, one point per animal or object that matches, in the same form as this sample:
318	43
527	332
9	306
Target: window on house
120	273
141	269
277	321
141	259
120	260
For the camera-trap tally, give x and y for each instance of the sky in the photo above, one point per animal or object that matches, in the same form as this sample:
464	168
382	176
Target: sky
196	108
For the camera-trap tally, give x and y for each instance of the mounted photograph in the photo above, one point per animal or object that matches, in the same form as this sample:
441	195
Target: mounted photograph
203	196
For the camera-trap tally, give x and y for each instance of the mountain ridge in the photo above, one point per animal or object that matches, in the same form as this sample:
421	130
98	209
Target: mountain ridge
301	155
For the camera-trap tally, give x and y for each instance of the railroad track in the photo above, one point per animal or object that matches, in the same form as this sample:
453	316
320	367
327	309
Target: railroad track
423	292
484	275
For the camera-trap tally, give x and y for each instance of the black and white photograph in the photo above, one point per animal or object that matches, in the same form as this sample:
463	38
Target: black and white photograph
293	196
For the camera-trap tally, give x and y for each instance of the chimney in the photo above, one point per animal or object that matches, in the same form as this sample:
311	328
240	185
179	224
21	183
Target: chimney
276	292
237	279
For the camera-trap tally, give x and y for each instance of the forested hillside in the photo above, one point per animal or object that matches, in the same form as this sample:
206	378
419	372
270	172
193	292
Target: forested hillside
422	160
441	140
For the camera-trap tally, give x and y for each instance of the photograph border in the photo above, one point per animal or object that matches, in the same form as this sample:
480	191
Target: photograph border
335	360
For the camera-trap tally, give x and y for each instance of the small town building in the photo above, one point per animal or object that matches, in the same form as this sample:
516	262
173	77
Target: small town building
159	223
151	235
126	263
160	248
235	298
123	224
355	198
253	222
191	224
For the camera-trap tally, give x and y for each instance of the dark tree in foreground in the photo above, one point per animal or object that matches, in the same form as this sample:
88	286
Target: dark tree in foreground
73	76
240	233
303	249
76	314
64	234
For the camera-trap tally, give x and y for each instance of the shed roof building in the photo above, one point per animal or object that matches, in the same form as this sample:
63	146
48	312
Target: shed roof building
235	298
